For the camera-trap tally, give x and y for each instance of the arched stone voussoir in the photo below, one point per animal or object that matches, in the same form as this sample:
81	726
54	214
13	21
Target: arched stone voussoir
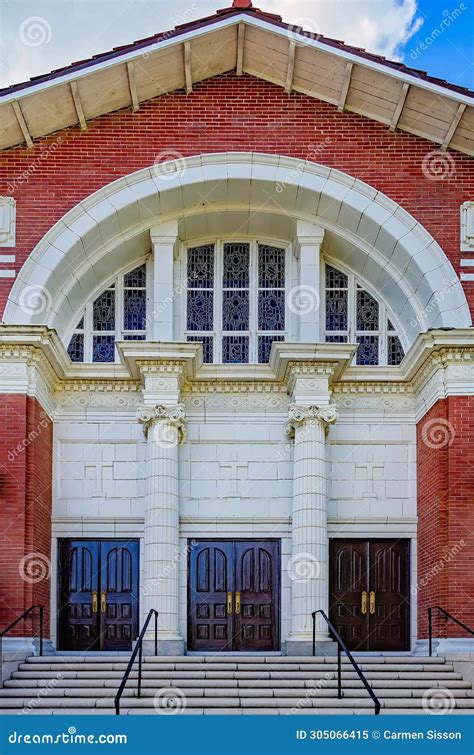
108	230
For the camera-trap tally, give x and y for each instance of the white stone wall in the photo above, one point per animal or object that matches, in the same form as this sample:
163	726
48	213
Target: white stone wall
235	476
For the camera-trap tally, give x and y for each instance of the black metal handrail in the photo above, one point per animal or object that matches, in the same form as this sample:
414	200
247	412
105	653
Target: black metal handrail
341	646
137	649
448	616
28	611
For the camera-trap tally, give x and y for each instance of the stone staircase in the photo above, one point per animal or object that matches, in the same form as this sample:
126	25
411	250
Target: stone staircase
235	685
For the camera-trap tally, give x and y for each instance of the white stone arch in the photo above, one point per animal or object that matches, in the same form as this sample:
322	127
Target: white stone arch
367	230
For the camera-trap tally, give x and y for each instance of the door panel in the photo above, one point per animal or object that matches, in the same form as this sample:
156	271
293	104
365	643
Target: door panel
98	594
257	581
348	580
389	580
118	604
210	579
234	595
380	569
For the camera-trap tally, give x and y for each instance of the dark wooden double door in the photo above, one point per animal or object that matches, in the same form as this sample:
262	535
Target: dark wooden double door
234	595
369	600
98	594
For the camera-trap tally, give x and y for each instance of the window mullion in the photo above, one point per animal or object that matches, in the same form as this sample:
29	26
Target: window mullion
218	299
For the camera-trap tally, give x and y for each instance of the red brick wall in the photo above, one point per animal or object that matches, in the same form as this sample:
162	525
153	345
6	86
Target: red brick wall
445	438
238	114
25	508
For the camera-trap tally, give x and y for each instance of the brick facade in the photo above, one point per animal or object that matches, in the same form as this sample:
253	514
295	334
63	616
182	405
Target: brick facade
445	448
25	507
229	113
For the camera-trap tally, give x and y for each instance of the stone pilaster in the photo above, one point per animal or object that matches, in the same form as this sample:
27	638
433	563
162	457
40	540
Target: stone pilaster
308	566
164	428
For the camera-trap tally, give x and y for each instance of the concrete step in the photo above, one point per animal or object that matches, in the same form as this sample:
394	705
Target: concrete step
225	660
232	711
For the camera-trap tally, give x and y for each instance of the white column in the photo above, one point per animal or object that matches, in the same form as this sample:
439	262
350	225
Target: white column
306	299
308	567
164	426
164	239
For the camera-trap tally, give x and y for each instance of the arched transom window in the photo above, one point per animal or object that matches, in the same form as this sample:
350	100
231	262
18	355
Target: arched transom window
235	302
353	314
118	313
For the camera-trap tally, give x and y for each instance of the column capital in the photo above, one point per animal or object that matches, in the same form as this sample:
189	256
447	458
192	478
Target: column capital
300	415
149	415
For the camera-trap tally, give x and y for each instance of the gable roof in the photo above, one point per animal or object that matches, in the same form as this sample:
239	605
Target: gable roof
247	40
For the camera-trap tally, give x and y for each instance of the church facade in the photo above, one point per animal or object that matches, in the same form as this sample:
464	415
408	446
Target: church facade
236	349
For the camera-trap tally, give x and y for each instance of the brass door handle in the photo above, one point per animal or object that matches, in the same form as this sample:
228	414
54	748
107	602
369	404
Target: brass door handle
94	602
363	602
103	602
229	603
372	602
237	602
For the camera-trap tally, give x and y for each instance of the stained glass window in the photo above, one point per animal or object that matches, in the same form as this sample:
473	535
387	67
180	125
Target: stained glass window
76	348
119	312
354	315
235	349
368	351
237	308
395	350
265	347
207	346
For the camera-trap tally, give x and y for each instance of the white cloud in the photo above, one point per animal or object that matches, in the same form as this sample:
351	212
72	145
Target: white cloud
82	28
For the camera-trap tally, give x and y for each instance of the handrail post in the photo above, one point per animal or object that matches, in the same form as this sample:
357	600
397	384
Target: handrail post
41	616
156	633
339	672
430	632
140	671
314	634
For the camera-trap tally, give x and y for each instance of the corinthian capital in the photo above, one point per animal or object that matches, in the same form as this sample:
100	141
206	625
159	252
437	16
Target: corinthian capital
167	416
299	415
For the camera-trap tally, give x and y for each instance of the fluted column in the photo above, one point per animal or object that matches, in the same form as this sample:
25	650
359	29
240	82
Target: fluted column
164	427
308	567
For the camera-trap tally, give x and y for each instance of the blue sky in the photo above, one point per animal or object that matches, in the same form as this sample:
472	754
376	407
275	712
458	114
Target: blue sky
433	35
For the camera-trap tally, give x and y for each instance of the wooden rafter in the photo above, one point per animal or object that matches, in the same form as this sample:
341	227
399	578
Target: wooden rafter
22	123
346	83
187	67
132	84
453	126
78	105
290	72
400	104
240	49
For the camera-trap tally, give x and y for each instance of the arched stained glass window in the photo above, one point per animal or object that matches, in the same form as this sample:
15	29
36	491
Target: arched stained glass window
117	313
354	314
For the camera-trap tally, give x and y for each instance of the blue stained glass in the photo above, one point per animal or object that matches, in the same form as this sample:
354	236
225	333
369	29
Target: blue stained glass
235	349
395	350
236	266
265	347
76	348
271	267
135	278
201	267
368	351
207	346
271	310
334	278
235	310
336	310
104	311
336	339
103	348
134	309
134	337
367	311
200	310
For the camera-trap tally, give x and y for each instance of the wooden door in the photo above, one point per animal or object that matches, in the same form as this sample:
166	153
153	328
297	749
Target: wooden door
234	602
369	598
389	614
256	606
98	594
210	625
